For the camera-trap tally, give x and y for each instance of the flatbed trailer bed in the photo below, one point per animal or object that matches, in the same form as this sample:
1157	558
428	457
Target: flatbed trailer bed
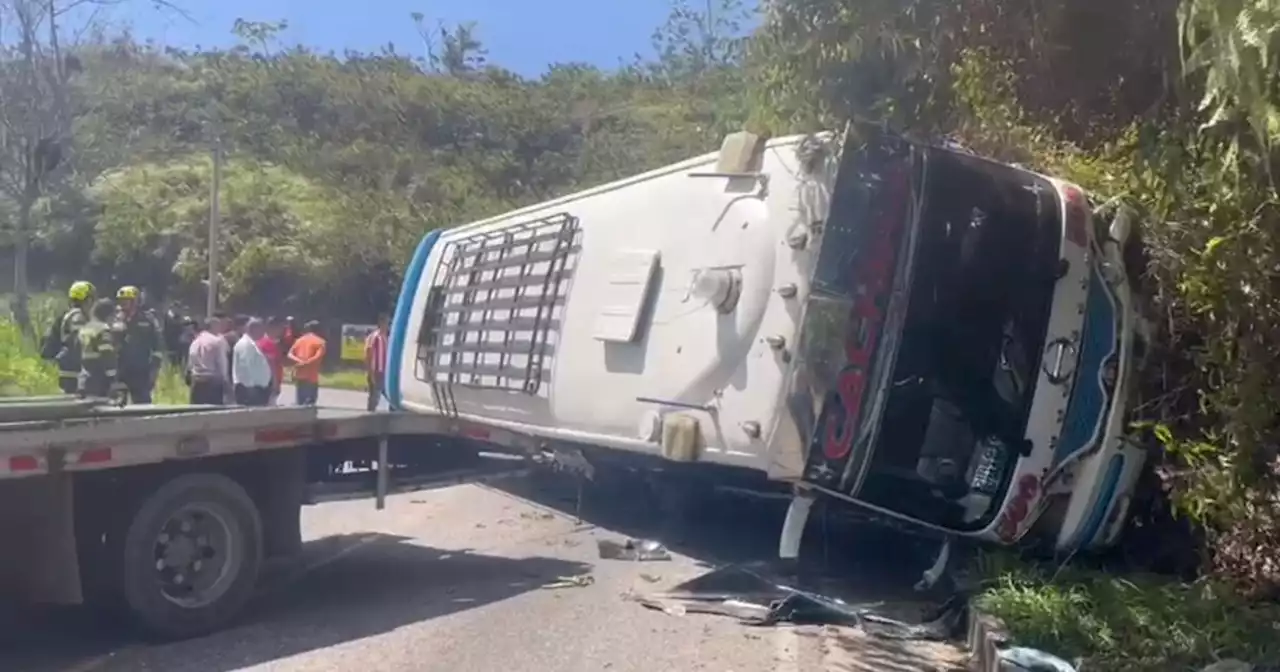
167	512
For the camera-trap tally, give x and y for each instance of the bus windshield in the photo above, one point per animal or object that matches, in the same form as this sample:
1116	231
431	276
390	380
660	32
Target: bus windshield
924	329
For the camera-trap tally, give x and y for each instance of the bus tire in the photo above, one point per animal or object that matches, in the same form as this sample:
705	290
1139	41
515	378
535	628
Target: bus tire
191	556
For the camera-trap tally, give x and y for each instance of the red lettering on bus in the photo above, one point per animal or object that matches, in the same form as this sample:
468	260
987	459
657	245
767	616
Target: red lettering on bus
872	275
1013	516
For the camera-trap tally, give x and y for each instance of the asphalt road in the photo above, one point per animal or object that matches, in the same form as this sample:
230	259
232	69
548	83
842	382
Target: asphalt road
464	579
331	397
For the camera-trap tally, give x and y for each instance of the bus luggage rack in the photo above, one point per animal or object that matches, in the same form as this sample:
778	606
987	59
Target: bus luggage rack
494	309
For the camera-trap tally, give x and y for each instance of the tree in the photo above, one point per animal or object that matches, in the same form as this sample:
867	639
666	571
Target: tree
275	224
459	51
35	119
39	112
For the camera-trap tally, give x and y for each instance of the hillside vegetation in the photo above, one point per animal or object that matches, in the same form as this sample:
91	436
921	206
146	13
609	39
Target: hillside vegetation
338	163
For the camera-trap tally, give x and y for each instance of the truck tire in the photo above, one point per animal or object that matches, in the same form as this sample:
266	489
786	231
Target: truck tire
191	556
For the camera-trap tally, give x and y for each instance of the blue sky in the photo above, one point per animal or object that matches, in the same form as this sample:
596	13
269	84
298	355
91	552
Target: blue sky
524	35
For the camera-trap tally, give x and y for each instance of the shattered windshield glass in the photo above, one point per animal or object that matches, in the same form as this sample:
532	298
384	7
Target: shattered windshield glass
846	314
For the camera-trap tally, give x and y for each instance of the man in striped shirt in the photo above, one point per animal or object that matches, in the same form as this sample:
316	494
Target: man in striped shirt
375	362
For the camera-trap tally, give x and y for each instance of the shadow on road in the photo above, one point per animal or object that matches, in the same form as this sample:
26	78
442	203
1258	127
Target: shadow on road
309	605
856	561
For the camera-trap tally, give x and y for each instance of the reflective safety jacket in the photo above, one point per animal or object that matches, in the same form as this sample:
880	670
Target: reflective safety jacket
139	339
68	357
98	359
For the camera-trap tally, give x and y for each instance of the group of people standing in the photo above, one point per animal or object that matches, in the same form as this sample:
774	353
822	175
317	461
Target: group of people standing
106	348
242	361
115	349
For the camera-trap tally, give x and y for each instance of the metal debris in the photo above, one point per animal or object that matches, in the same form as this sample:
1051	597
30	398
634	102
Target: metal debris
640	550
579	581
752	599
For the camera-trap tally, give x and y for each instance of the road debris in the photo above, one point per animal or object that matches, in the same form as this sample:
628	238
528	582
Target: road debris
579	581
1024	659
639	550
651	578
745	594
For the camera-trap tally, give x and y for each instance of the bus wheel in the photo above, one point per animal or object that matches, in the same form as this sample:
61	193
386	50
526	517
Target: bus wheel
191	556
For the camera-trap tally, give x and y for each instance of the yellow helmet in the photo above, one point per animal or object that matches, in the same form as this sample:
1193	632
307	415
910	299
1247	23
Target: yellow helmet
127	292
81	290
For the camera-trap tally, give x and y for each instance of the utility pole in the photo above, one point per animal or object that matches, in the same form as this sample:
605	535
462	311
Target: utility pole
211	299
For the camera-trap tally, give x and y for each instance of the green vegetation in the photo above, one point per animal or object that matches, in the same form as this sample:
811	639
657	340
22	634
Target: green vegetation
1130	624
22	372
344	379
171	388
337	164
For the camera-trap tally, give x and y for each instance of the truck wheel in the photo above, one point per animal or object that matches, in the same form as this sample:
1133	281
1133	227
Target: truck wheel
191	556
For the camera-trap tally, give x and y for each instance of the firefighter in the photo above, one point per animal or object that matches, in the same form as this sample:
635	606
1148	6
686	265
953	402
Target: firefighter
141	350
81	294
98	352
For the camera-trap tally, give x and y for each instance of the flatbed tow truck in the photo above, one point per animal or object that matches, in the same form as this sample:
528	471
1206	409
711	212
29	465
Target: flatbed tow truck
167	513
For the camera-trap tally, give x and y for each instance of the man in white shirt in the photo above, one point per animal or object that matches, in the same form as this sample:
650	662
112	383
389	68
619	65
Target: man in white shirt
251	370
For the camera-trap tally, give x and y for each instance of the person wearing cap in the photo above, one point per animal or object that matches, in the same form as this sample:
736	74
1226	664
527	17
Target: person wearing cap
141	351
307	354
67	351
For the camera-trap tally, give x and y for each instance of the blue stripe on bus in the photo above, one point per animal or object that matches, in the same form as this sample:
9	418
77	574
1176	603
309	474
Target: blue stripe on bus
397	337
1101	504
1089	401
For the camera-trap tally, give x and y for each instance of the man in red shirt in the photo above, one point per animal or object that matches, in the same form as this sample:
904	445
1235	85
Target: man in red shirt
375	362
269	345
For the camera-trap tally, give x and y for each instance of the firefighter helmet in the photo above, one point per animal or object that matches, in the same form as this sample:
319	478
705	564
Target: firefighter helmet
81	290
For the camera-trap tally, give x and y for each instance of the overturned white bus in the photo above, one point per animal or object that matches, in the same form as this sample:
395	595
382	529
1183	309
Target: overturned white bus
935	337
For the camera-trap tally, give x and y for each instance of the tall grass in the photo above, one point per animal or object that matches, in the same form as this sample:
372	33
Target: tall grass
1126	623
22	371
170	387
